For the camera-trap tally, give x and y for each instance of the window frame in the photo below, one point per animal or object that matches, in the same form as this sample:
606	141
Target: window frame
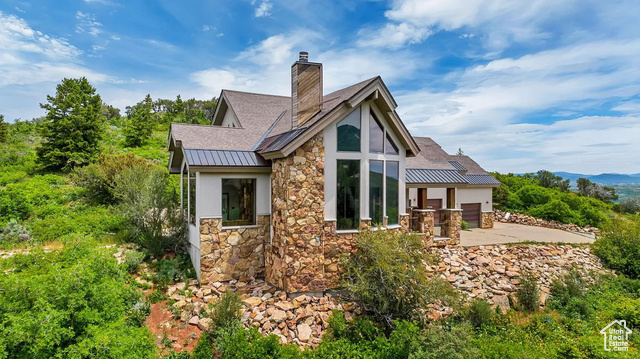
365	156
254	202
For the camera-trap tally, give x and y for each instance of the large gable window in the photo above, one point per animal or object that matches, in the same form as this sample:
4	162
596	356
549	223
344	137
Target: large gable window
238	202
376	191
392	175
390	147
349	132
348	196
376	135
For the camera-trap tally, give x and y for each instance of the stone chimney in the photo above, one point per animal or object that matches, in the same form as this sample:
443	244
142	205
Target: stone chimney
306	90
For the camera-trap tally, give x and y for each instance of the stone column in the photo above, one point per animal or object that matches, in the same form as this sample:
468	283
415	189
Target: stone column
425	223
404	222
450	224
487	219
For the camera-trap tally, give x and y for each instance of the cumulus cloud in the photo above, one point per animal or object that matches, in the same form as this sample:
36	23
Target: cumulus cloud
393	35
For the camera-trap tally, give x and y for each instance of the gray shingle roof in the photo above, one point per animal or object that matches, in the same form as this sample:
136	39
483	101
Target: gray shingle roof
197	157
431	156
417	175
213	137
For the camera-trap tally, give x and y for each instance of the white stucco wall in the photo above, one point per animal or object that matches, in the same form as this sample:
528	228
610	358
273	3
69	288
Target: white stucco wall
475	195
331	157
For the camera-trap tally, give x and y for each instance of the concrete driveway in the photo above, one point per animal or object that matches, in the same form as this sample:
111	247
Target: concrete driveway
514	233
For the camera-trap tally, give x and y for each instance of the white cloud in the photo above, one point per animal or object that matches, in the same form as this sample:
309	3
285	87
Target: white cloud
263	9
265	66
393	36
88	23
206	28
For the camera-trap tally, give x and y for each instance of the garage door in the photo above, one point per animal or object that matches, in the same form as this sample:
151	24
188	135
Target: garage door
471	214
435	204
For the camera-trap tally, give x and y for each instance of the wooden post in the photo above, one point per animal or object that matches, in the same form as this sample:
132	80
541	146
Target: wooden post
451	198
422	198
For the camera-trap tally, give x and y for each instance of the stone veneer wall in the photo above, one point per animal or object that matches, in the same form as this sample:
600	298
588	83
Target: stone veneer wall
487	220
450	225
424	223
233	253
294	260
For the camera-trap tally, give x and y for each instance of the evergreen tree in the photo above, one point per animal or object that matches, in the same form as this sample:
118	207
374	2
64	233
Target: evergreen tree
73	127
4	130
139	126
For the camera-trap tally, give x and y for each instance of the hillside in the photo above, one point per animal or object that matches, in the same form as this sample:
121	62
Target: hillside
603	178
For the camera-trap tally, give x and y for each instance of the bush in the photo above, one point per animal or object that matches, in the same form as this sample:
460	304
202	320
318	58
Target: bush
14	232
528	294
630	205
138	313
132	260
555	210
464	225
619	247
69	304
533	195
387	277
479	312
100	179
148	202
238	342
568	294
226	312
169	271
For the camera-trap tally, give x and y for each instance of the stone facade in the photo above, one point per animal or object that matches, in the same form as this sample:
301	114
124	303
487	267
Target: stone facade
232	253
450	224
424	223
294	260
487	220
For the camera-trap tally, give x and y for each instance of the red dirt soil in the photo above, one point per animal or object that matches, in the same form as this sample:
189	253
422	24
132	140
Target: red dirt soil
181	335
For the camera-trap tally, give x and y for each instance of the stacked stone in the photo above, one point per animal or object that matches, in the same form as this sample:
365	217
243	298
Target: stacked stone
232	253
519	218
492	272
294	260
301	320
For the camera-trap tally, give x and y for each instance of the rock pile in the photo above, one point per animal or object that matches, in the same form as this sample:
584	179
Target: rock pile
519	218
301	320
492	272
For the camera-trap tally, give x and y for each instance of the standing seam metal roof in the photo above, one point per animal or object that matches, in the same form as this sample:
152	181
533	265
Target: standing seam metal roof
417	175
198	157
481	179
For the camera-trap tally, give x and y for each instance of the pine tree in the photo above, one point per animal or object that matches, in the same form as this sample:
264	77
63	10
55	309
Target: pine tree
139	126
4	130
73	127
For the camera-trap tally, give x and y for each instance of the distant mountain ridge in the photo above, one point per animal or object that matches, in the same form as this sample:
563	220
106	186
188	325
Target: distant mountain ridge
602	178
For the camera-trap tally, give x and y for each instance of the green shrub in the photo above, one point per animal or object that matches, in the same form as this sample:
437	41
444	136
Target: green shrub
555	210
100	179
169	271
148	202
138	313
157	296
14	232
533	195
619	247
528	294
69	304
132	260
464	225
387	277
226	312
479	312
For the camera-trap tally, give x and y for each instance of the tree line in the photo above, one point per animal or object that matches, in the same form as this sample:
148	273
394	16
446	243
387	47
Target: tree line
76	120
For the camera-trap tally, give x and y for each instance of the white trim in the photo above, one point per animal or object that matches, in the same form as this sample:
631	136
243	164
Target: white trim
347	231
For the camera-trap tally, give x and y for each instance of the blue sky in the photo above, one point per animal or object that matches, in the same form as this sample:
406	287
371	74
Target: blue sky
519	85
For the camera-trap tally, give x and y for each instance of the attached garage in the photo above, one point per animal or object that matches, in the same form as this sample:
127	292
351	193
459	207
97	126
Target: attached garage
471	214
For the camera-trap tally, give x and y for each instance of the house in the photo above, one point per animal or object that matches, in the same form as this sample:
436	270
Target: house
437	180
278	187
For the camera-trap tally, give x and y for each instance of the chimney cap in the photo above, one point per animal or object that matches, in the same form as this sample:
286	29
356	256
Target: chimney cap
304	56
